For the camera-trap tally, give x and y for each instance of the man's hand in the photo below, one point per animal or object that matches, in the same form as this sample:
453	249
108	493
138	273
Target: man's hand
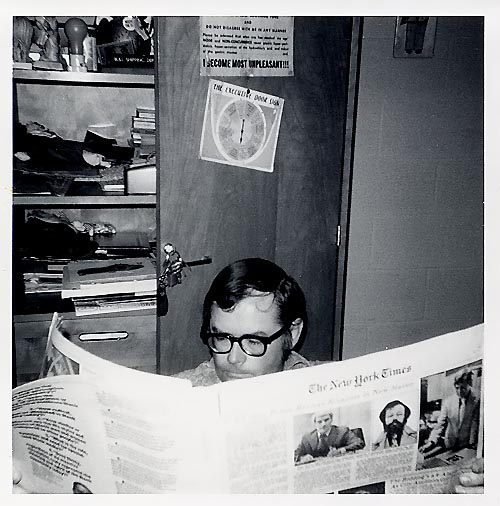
469	478
336	452
426	447
16	480
306	458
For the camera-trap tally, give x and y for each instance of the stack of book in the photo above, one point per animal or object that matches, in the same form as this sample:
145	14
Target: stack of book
143	132
108	286
42	282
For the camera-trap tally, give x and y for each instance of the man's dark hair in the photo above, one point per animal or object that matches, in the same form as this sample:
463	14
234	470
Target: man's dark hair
464	376
237	281
390	405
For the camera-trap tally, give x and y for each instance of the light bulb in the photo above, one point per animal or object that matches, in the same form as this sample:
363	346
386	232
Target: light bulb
76	31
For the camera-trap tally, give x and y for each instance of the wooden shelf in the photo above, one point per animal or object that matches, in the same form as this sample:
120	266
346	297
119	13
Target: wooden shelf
81	201
83	77
36	317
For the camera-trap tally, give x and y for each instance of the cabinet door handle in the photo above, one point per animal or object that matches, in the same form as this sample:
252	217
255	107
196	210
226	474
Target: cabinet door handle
103	336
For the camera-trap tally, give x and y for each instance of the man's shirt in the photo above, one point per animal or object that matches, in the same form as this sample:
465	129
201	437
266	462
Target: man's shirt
339	437
204	375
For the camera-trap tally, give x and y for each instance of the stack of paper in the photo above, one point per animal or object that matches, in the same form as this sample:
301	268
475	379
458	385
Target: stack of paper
98	286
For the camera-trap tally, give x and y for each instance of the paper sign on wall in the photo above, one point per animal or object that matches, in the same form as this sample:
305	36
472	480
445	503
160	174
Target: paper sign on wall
246	46
240	126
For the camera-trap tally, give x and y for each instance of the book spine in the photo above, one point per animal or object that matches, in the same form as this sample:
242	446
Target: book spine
138	287
146	115
142	130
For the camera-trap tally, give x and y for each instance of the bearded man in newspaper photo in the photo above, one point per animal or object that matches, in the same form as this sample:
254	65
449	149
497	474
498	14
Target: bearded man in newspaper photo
326	440
396	431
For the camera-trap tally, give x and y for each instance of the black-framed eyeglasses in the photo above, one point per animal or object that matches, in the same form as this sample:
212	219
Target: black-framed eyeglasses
252	345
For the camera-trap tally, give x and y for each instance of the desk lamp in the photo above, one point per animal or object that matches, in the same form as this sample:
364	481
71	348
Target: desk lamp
76	31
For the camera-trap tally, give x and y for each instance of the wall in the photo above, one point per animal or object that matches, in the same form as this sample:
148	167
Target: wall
415	254
68	110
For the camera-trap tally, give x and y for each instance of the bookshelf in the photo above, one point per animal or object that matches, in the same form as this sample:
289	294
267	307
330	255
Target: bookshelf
89	78
84	201
67	103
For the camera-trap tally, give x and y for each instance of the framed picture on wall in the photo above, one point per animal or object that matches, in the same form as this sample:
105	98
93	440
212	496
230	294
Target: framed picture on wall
414	37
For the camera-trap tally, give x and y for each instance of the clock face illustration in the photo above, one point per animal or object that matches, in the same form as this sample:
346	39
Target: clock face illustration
240	130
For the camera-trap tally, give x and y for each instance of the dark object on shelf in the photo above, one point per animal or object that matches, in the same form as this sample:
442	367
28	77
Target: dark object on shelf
49	153
43	161
107	147
116	267
125	41
123	244
92	272
84	188
46	237
49	302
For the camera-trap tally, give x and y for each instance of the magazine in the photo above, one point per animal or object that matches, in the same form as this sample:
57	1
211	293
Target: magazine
91	426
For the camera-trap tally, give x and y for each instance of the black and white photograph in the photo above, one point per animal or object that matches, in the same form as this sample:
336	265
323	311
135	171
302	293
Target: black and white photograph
331	432
306	191
450	416
395	423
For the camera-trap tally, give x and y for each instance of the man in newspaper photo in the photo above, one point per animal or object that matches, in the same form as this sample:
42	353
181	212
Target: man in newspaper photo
458	421
326	440
396	431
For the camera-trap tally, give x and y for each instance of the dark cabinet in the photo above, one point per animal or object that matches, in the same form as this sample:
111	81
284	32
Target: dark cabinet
292	215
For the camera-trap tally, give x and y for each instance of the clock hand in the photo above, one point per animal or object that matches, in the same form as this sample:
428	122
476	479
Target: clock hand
242	128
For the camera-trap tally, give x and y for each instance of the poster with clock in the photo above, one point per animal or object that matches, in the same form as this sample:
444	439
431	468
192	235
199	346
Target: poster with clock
240	126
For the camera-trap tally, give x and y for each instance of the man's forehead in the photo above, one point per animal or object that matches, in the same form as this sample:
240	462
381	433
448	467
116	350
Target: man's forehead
397	407
255	302
322	416
264	302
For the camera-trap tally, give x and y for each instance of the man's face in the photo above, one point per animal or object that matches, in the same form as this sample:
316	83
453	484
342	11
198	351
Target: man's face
256	315
462	389
323	422
395	413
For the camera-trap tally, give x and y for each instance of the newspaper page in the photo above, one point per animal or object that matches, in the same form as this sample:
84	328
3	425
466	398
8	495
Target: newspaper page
330	428
390	422
92	426
58	439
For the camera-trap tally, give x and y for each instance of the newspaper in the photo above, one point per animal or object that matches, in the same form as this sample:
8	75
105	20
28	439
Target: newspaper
103	428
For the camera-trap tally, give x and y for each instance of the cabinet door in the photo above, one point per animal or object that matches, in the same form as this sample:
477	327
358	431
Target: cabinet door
289	216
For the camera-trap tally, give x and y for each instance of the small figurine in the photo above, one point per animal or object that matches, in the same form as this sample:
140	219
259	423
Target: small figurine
22	35
46	37
173	266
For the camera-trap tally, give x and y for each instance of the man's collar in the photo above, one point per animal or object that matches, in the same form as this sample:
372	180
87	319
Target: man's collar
326	434
296	361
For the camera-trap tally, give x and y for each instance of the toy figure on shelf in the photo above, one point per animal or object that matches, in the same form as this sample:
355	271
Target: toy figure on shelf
173	272
22	35
173	267
46	37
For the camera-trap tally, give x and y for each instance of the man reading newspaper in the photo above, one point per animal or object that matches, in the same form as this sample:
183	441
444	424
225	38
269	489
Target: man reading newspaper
253	316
